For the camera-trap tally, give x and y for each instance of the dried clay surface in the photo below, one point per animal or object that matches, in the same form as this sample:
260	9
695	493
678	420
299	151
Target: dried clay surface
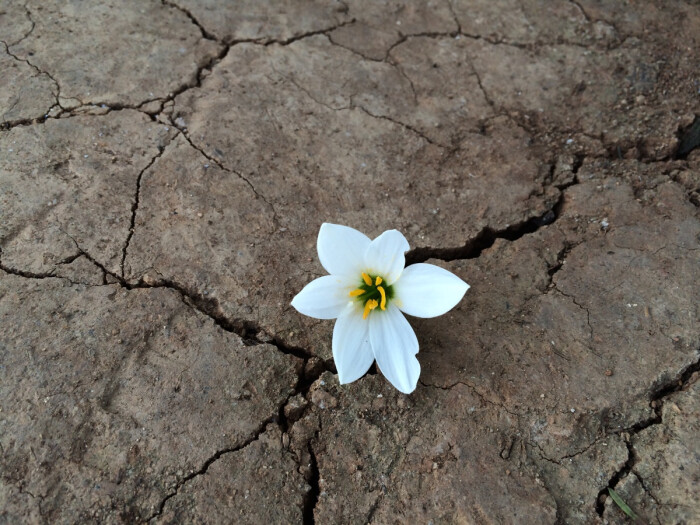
165	167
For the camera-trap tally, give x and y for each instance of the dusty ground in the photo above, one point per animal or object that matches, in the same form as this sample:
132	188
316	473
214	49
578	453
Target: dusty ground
164	170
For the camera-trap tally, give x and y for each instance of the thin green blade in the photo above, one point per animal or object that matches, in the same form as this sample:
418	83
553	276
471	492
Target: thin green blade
621	503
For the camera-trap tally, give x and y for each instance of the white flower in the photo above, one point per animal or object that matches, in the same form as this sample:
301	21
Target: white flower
367	289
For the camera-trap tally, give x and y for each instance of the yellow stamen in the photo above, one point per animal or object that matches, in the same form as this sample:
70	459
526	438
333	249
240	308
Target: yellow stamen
369	305
377	281
357	293
381	291
367	279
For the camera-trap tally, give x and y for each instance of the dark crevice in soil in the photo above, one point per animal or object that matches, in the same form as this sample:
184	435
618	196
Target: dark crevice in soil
135	206
311	498
561	258
4	126
40	275
619	475
102	108
70	259
485	239
659	392
656	401
689	139
24	273
249	331
307	376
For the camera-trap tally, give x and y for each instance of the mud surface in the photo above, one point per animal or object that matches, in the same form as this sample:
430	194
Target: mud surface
165	168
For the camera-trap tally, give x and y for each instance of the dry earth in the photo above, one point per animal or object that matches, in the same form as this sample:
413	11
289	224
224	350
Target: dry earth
164	170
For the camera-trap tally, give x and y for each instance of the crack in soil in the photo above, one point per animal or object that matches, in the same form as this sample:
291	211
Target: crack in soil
486	238
304	382
483	240
205	34
194	82
31	29
311	498
656	402
135	205
689	139
40	275
398	123
4	126
183	131
475	392
248	332
203	469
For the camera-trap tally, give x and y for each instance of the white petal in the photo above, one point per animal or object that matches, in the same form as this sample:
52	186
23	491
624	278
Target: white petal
395	347
352	352
341	249
385	255
426	290
323	298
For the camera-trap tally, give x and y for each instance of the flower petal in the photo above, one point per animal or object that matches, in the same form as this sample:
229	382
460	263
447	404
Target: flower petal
352	352
395	347
341	249
426	290
385	255
323	298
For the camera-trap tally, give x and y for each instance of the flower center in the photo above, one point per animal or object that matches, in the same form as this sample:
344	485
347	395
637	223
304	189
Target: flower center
372	292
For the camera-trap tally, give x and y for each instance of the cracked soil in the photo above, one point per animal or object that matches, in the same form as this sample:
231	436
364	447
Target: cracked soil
165	167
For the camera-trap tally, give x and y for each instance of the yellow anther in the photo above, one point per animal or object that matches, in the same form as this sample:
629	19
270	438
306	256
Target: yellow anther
377	281
369	305
357	293
367	279
381	291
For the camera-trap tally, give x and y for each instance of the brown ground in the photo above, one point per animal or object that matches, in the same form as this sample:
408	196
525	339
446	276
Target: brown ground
164	170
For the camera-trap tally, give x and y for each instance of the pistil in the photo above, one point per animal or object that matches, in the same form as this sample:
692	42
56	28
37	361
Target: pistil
373	292
369	306
383	294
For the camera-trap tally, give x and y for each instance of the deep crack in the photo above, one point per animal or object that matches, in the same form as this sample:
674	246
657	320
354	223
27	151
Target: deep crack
483	240
311	498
